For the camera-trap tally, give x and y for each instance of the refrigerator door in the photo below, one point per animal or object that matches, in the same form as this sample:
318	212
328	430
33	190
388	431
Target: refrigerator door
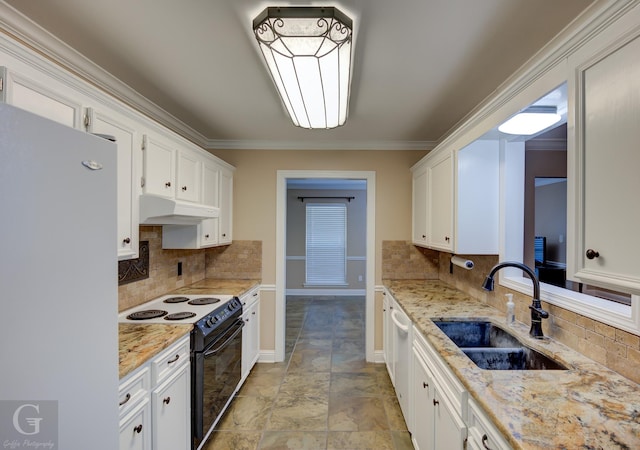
58	283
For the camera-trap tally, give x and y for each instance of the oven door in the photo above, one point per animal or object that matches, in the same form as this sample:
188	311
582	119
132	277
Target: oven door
217	373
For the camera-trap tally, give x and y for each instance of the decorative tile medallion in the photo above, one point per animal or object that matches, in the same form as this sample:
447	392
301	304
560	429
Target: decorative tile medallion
135	269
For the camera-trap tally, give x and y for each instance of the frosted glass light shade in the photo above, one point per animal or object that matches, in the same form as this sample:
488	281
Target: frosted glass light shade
308	53
531	120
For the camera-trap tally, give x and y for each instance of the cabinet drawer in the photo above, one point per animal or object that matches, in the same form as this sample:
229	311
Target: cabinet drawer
482	432
250	298
170	360
133	388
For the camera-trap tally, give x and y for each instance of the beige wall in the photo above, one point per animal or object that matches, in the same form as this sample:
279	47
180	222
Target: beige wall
254	202
254	215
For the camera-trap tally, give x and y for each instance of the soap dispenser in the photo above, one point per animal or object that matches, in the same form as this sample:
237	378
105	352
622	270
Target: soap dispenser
511	313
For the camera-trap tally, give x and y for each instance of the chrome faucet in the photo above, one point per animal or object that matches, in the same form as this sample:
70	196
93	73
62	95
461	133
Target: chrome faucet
537	313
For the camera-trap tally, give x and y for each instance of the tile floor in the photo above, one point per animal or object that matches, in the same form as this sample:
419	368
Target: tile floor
324	396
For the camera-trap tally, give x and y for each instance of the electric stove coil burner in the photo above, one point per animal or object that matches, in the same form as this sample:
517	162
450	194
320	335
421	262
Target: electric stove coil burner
204	301
180	315
146	314
176	300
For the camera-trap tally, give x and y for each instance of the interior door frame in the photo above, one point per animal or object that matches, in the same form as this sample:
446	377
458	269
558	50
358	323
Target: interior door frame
281	257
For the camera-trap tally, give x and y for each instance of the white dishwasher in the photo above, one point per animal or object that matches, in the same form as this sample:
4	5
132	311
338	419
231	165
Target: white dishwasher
401	336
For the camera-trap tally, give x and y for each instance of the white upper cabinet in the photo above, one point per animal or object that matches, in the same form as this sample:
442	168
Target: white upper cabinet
420	206
128	143
440	203
188	180
456	198
210	183
216	181
39	95
226	206
159	167
604	159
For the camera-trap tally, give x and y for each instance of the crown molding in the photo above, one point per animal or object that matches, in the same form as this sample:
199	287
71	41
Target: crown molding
213	144
25	31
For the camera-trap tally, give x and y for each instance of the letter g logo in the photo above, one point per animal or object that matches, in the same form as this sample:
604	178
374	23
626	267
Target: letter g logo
34	422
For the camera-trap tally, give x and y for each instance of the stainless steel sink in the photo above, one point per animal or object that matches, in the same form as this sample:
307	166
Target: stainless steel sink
492	348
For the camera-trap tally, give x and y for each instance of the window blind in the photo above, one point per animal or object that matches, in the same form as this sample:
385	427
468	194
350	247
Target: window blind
326	247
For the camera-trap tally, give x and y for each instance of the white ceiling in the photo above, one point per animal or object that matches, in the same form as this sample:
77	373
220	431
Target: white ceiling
420	66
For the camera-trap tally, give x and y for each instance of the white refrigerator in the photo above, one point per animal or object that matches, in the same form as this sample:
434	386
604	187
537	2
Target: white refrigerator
58	286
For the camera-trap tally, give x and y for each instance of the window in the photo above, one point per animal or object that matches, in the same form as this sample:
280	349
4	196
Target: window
520	168
326	248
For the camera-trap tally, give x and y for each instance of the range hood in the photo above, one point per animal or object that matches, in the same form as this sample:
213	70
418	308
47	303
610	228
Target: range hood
155	210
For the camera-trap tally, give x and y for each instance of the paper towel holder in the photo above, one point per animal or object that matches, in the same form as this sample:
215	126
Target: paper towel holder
460	262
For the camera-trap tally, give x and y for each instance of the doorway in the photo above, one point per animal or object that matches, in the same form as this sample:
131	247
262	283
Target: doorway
283	177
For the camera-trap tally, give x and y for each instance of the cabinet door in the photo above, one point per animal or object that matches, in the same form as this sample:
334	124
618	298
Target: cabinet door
387	330
135	428
210	184
41	98
451	431
606	165
250	338
440	203
226	206
188	177
209	232
159	168
110	123
422	430
171	409
419	225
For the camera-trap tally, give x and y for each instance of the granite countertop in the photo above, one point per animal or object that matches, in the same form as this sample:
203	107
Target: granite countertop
138	343
587	406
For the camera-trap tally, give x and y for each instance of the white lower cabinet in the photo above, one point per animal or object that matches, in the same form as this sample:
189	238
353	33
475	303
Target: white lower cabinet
170	408
135	430
251	331
155	402
482	433
439	402
135	410
387	337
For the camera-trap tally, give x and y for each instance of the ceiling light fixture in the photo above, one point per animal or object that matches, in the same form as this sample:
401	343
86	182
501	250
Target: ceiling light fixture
531	120
308	53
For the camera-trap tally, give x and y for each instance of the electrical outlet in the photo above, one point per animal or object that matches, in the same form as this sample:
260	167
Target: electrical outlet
359	277
180	268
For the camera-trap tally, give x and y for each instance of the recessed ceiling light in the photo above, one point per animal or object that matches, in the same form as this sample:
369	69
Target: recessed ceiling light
531	120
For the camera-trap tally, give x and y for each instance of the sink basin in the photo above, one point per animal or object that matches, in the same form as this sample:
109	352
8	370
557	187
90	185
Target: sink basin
492	348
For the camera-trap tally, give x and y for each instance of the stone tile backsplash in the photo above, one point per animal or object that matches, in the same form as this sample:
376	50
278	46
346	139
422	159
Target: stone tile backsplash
617	349
401	260
240	260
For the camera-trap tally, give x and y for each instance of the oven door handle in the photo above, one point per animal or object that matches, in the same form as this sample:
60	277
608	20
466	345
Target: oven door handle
239	324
